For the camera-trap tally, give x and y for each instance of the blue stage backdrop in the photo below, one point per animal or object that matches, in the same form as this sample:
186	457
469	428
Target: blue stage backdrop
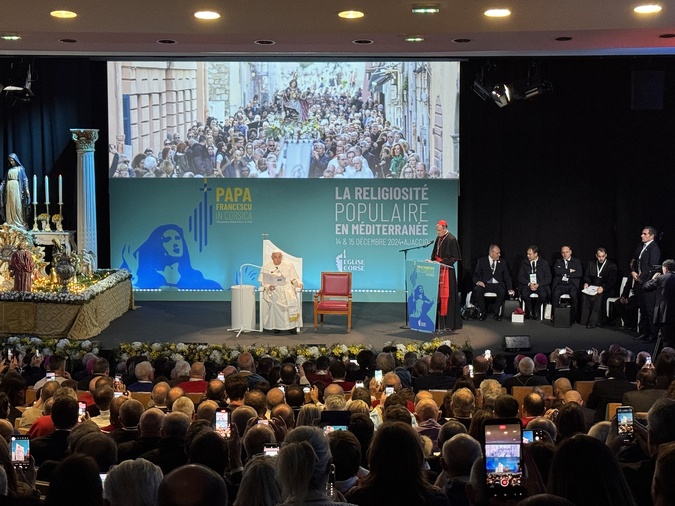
185	239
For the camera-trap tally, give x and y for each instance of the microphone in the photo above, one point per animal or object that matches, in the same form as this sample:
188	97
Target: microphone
429	243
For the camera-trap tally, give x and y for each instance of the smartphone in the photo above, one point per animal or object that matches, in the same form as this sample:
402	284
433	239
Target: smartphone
221	376
354	361
358	384
10	355
223	423
264	421
306	390
487	354
271	449
50	376
388	390
625	418
327	429
103	476
503	440
118	394
20	450
470	371
530	436
378	376
118	380
648	361
562	351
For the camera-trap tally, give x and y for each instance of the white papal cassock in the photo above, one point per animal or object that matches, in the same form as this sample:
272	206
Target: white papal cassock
283	307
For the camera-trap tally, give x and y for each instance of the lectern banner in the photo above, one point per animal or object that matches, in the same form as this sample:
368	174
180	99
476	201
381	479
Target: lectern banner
423	289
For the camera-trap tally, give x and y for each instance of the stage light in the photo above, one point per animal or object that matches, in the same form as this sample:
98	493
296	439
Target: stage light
426	9
351	14
497	13
207	15
481	89
648	9
63	14
501	94
10	37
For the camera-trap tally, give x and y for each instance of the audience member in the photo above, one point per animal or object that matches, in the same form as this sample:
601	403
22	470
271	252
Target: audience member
132	483
191	485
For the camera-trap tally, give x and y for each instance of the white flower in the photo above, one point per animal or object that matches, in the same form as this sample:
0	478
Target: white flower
13	339
401	347
125	357
137	345
95	352
176	357
447	342
314	351
283	351
344	349
181	347
201	347
62	344
216	356
47	352
388	344
300	360
235	354
36	341
156	346
85	344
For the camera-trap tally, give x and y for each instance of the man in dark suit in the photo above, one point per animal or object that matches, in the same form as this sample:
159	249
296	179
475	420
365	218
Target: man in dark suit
436	379
610	389
53	446
602	274
657	285
491	275
566	278
646	256
534	277
646	394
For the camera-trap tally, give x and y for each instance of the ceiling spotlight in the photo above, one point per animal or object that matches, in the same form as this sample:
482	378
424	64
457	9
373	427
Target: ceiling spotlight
10	37
426	8
63	14
497	13
414	38
501	94
362	42
351	14
648	9
207	15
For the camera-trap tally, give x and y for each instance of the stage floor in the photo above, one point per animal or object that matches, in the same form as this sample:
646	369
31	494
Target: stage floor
372	323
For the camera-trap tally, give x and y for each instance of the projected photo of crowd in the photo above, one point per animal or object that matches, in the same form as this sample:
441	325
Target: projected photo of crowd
265	119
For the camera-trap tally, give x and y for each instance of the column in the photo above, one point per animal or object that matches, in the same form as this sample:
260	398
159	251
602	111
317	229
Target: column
86	191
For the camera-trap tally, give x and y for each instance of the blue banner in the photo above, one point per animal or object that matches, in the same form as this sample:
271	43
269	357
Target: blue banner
423	294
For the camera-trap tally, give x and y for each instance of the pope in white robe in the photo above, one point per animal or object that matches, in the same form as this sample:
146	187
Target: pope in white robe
283	306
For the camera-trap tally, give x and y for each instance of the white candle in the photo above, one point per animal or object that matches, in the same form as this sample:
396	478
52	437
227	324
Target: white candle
46	189
60	190
34	189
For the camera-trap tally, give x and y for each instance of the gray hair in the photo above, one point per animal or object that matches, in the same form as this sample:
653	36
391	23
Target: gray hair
302	465
133	483
258	484
335	403
184	405
385	362
182	368
526	366
490	389
142	370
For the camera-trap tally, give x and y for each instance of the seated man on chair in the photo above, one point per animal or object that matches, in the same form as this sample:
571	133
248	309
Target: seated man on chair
602	274
491	275
566	277
534	278
283	306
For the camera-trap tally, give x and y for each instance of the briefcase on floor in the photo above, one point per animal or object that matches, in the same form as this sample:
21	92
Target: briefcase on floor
562	317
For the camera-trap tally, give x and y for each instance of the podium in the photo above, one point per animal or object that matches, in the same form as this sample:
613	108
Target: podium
243	308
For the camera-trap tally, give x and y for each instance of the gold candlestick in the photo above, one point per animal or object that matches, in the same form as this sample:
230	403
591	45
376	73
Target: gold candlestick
35	220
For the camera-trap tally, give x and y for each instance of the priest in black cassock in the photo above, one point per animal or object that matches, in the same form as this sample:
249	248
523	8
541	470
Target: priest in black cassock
446	252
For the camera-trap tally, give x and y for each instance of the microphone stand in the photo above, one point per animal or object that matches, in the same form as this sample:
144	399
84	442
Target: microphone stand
405	258
242	328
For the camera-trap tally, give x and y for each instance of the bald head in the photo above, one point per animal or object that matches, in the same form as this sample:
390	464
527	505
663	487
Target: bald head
458	455
333	389
159	393
463	403
151	422
285	412
426	409
192	485
197	370
174	393
206	410
573	396
560	386
275	396
246	362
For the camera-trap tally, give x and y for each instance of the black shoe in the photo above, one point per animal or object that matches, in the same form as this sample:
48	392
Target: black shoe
277	331
498	317
293	331
482	317
591	326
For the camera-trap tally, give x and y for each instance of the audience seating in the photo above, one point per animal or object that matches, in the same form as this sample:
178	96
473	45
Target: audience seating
438	396
31	395
584	388
142	397
335	296
611	410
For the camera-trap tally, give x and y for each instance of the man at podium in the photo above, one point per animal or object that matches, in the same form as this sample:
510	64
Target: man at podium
279	281
446	252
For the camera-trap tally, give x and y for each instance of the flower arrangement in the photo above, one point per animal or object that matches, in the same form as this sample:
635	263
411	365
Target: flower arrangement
43	217
55	218
75	350
46	290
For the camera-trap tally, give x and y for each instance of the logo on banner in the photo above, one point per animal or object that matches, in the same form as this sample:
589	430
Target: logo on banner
346	264
234	205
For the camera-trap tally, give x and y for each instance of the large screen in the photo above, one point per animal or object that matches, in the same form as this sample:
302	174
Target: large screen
203	126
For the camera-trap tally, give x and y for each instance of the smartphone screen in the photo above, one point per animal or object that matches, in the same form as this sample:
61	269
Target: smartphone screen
487	354
221	376
327	429
562	351
528	436
470	371
50	376
503	458
378	376
223	423
388	390
625	420
358	384
20	449
264	421
82	408
306	390
271	449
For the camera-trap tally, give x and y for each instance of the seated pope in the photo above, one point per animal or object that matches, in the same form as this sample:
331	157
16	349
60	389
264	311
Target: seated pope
280	281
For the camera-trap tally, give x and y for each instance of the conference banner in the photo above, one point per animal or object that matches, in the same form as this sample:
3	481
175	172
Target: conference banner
187	239
422	278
